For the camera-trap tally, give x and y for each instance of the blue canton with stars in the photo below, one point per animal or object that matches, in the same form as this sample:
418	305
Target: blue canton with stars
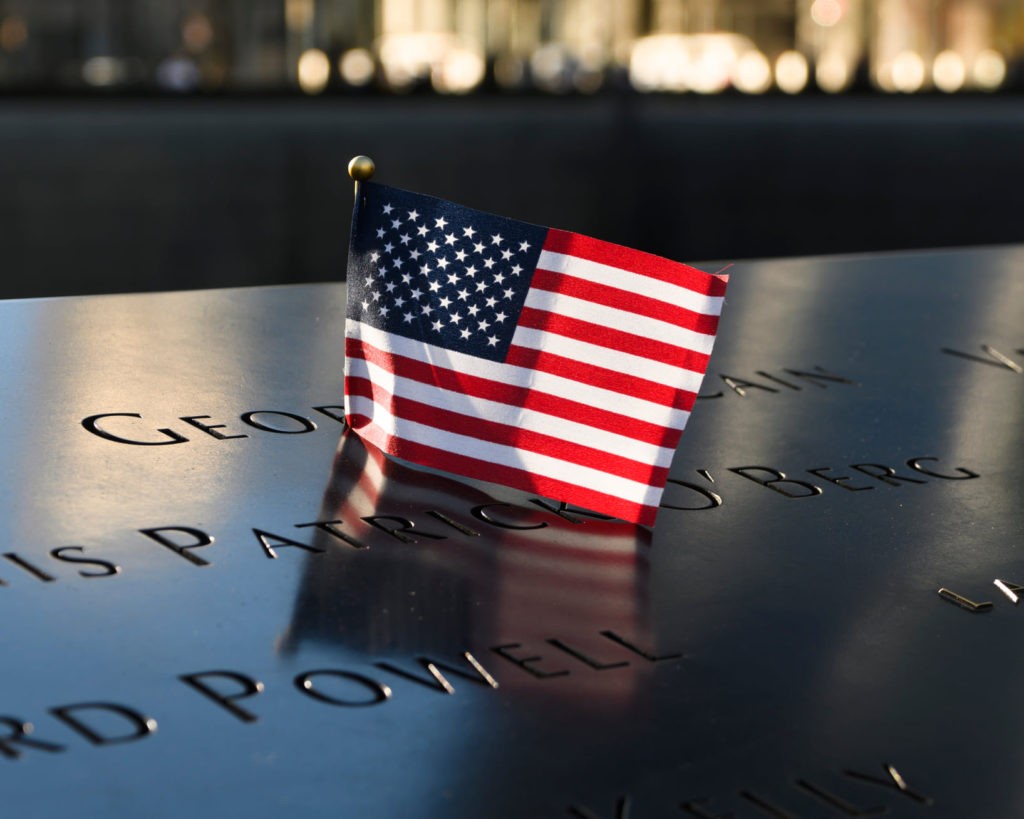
438	272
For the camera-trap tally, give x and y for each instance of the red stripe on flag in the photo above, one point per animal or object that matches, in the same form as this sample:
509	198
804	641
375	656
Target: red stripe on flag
623	300
602	377
514	478
601	336
510	395
359	422
494	432
636	261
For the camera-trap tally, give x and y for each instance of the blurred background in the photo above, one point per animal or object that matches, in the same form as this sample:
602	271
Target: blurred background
169	144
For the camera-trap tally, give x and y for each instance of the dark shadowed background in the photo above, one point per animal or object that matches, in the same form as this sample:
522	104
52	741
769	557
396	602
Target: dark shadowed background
203	143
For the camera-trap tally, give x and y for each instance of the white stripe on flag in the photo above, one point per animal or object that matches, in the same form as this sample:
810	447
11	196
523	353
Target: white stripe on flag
516	417
529	463
632	365
536	380
624	320
631	282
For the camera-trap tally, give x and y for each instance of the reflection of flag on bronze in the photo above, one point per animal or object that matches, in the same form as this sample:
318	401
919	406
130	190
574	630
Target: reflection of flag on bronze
455	581
534	358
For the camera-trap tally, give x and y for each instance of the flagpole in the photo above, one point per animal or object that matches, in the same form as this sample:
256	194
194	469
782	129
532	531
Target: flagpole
361	168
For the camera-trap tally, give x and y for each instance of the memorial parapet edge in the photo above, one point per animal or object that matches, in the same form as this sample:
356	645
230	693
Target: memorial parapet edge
216	602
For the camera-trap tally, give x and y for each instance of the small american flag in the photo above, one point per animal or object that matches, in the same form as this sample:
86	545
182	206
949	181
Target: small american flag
526	356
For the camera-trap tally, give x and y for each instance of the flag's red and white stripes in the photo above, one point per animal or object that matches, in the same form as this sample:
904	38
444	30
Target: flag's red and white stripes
605	363
364	483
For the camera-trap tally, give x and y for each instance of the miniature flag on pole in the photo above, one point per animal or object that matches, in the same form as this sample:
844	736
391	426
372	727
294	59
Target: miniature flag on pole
531	357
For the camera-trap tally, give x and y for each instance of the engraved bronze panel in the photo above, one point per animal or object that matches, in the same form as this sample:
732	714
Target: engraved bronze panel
214	602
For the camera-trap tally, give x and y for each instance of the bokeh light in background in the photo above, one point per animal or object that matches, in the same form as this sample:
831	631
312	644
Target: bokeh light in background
314	71
791	72
546	46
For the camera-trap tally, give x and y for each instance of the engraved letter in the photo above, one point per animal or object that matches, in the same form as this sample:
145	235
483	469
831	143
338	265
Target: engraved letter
333	411
328	527
91	424
209	429
201	539
739	386
963	602
886	474
583	658
305	424
622	641
965	474
777	380
458	527
437	680
714	500
264	538
807	490
108	567
481	513
894	781
18	735
378	691
995	358
141	724
837	802
35	571
525	662
399	532
562	510
821	375
248	685
838	480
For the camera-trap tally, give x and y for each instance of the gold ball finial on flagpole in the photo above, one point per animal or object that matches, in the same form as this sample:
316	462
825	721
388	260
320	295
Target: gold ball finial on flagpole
361	168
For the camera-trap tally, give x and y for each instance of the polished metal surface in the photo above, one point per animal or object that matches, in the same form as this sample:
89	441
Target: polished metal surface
214	603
